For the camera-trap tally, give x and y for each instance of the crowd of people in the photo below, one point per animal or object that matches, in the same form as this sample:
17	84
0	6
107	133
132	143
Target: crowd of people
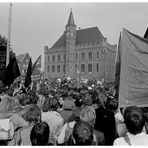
64	112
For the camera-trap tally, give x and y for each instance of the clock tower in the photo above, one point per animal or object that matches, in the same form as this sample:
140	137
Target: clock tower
70	46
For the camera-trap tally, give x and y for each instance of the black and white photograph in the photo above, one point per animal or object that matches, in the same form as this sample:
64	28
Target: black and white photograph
73	73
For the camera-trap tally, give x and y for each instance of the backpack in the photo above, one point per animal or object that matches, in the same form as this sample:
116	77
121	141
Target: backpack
6	129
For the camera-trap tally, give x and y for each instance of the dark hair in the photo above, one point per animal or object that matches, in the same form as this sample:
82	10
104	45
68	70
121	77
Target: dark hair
51	104
112	104
134	119
87	101
40	134
82	133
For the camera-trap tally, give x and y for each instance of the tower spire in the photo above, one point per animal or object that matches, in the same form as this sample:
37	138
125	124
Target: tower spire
71	21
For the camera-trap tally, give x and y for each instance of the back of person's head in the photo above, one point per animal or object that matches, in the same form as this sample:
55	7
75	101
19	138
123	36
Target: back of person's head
87	101
112	104
82	134
9	104
33	114
88	114
23	99
53	104
75	115
50	104
69	104
134	119
40	134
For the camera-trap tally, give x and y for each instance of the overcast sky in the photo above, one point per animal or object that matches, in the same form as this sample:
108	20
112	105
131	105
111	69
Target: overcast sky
35	25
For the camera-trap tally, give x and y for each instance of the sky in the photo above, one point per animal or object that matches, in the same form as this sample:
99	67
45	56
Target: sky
35	25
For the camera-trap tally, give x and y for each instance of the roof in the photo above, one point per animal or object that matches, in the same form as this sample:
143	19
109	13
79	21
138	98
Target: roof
20	57
83	36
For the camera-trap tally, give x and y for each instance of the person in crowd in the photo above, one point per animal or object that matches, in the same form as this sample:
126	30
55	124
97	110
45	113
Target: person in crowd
134	121
87	101
105	122
67	129
9	106
39	135
32	115
82	134
52	118
41	98
23	99
68	107
87	114
112	105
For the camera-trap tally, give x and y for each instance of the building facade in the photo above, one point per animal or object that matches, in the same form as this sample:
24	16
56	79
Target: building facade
82	53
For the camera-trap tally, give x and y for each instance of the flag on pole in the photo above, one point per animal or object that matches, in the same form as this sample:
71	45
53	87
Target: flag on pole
117	69
37	64
28	74
11	72
133	89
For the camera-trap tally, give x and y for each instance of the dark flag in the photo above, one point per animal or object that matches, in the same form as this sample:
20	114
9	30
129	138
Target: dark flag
37	64
117	70
28	74
11	72
146	34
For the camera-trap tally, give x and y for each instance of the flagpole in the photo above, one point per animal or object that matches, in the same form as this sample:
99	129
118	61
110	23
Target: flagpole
9	34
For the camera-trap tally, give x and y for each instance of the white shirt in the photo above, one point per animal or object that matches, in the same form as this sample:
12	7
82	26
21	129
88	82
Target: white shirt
136	140
55	122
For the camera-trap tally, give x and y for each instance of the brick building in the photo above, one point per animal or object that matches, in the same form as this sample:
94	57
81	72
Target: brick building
82	53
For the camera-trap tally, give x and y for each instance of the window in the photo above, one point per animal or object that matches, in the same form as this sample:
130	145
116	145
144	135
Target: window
64	57
83	67
83	56
64	70
53	58
89	67
76	56
48	68
59	58
53	69
97	67
90	55
48	58
98	55
24	65
58	68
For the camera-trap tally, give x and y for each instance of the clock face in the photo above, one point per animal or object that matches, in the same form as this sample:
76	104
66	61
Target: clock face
67	34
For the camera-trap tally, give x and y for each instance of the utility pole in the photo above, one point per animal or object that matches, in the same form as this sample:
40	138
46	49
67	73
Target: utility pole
9	34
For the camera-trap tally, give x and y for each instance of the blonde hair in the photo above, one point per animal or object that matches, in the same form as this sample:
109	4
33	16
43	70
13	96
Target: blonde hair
69	104
9	104
88	114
